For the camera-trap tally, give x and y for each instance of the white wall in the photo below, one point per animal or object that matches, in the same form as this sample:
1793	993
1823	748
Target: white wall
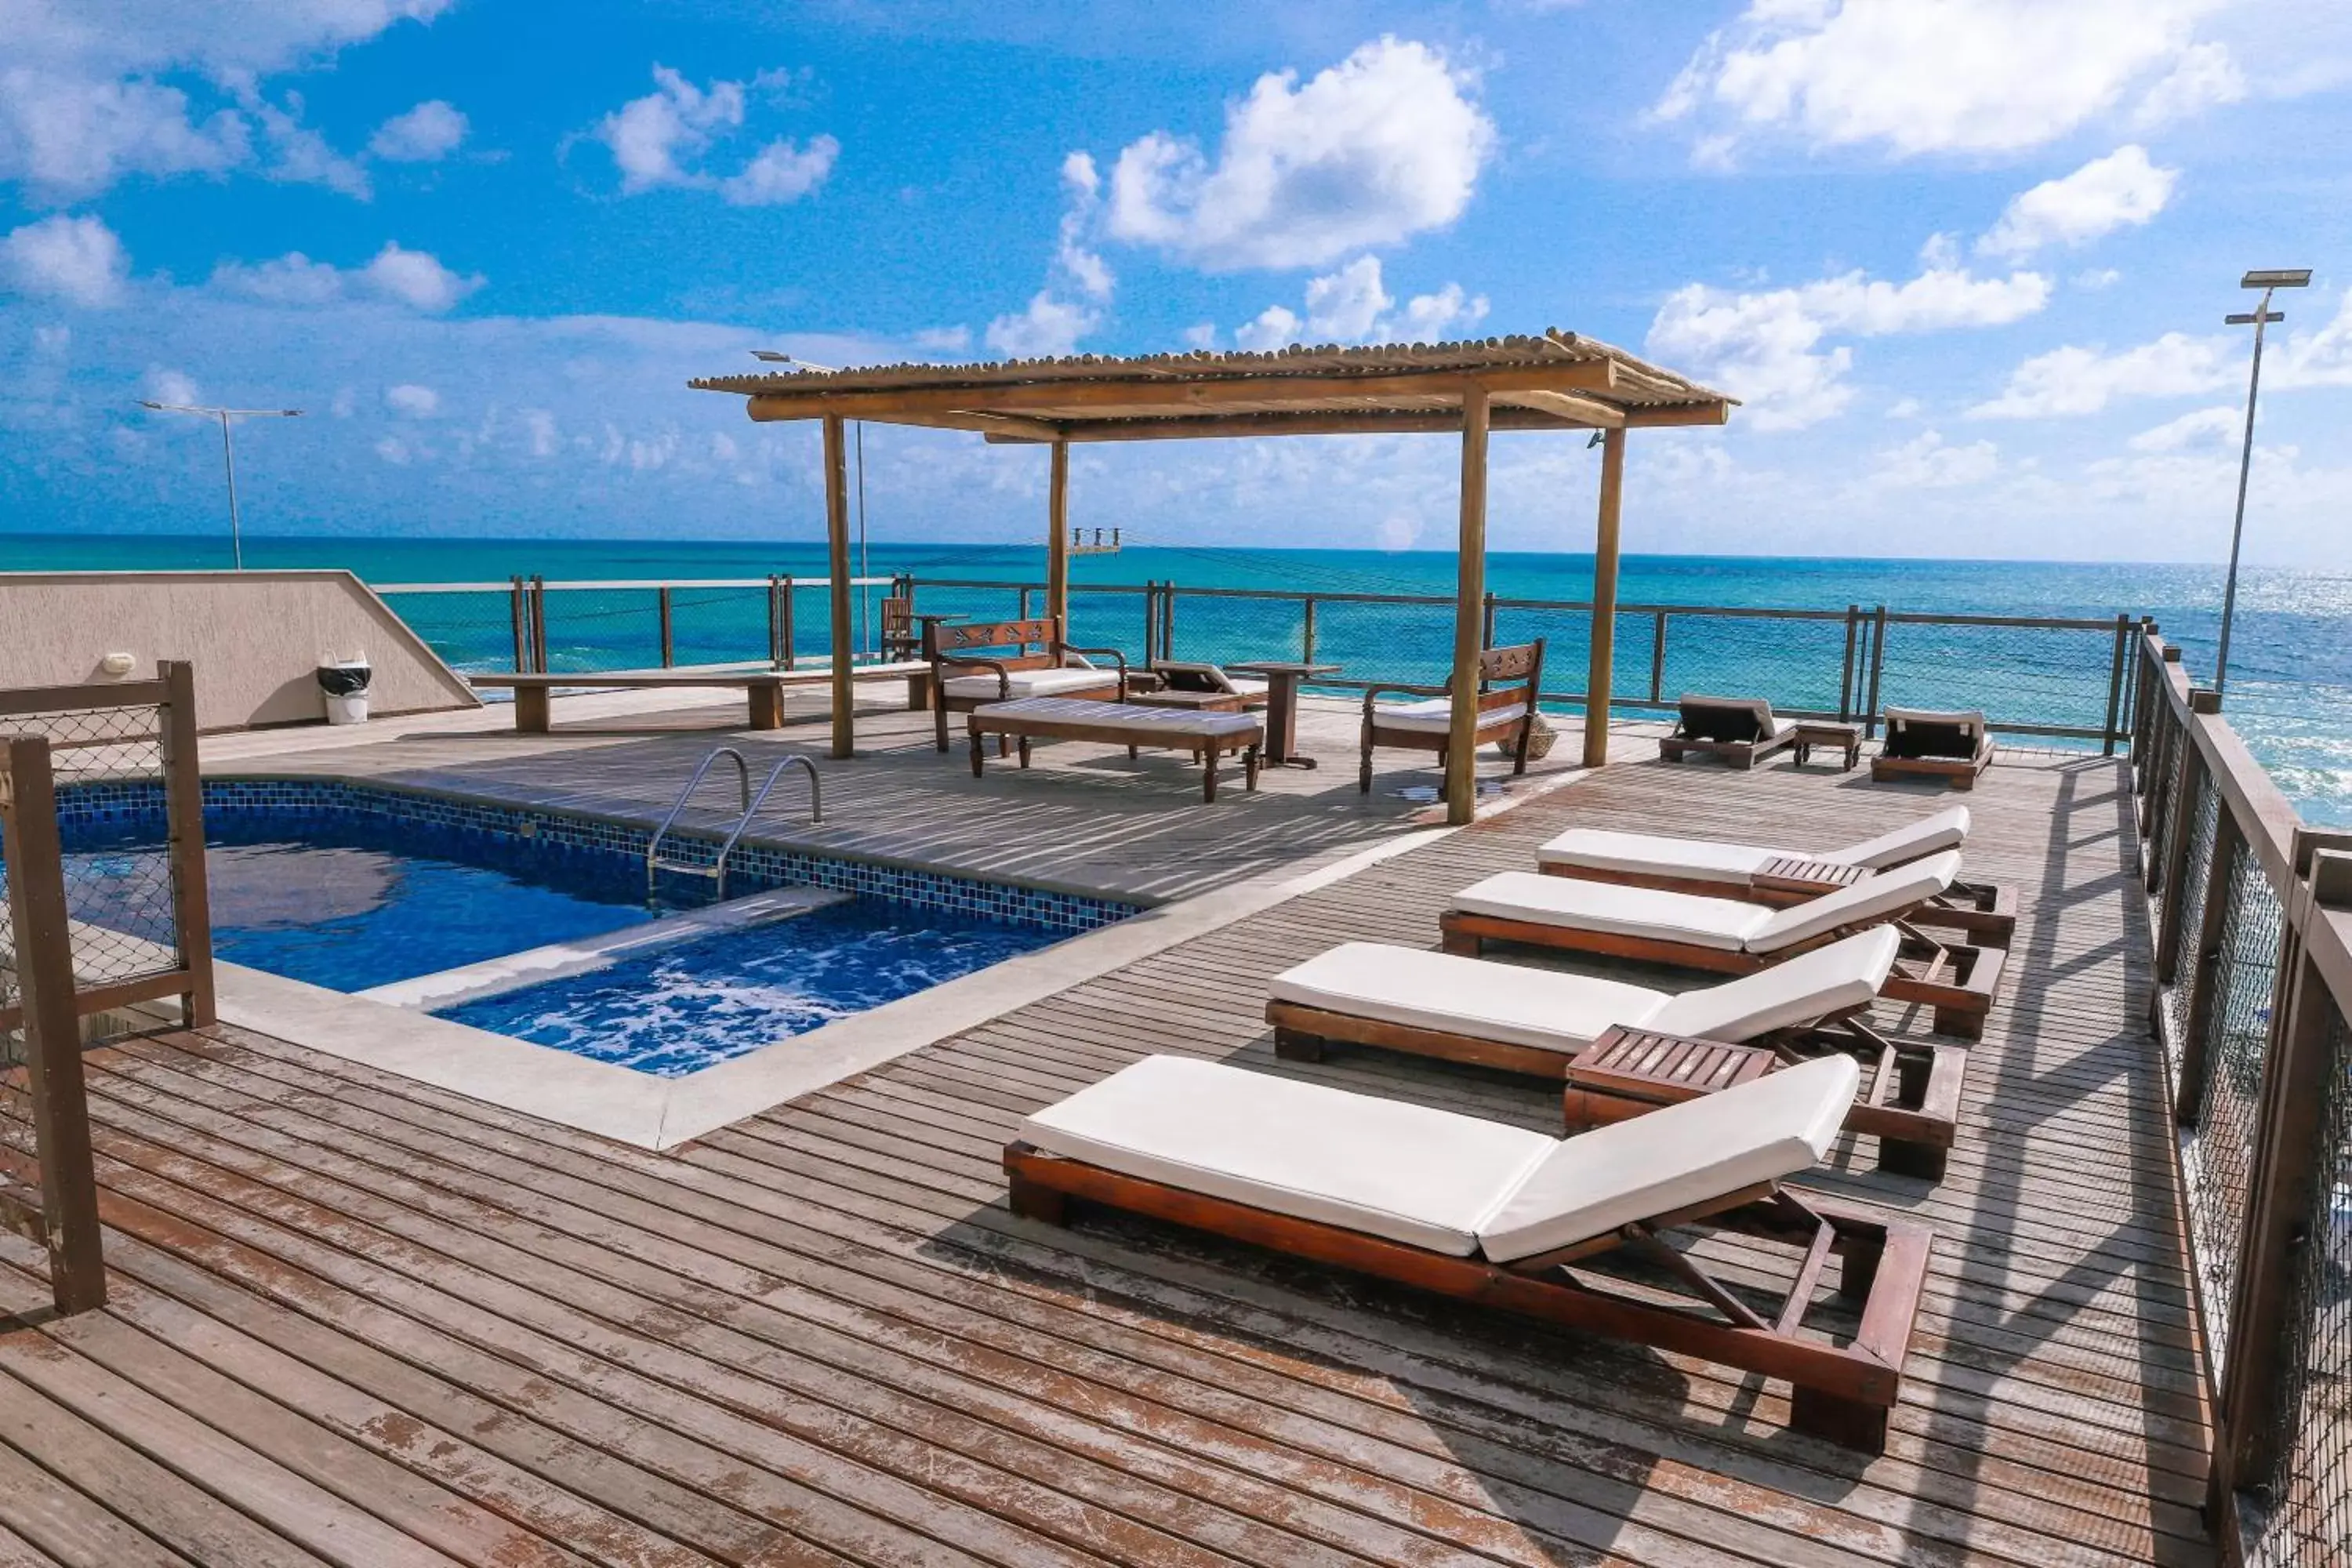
254	637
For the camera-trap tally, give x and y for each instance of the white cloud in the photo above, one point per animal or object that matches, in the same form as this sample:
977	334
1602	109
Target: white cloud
659	141
2103	195
1766	347
2097	278
781	173
943	340
1384	145
1927	462
1352	305
81	107
430	131
1945	76
76	259
164	386
545	440
415	402
2323	358
392	451
2074	379
1054	323
1048	328
2203	427
1347	304
416	278
302	156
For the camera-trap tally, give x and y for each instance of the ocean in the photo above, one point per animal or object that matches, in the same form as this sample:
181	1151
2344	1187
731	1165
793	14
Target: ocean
2290	692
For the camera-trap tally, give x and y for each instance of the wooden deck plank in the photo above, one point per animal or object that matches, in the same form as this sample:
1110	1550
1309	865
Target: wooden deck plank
819	1336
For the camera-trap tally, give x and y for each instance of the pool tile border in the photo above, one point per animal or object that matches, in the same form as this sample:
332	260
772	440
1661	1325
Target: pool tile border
755	866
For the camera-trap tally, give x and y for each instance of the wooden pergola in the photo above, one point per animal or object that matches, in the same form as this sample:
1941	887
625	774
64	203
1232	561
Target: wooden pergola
1555	382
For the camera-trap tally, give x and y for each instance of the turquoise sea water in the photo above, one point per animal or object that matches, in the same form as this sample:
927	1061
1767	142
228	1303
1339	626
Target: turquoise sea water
2289	688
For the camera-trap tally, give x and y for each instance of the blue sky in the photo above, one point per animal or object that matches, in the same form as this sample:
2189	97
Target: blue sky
1965	261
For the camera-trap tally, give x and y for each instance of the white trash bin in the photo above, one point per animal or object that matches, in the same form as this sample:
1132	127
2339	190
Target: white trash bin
343	683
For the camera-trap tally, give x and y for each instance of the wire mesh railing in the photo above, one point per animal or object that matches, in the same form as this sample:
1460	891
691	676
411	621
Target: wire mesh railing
2253	913
2035	678
2303	1515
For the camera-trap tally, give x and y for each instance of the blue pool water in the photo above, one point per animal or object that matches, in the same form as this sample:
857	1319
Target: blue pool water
682	1008
351	885
350	905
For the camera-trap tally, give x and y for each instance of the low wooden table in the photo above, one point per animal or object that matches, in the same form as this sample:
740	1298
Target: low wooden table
1846	738
1207	736
1909	1098
1805	879
1283	678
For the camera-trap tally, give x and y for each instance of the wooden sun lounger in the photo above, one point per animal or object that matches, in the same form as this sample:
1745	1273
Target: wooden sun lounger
1738	731
1207	736
1520	1260
1468	1010
1984	912
1951	748
1956	980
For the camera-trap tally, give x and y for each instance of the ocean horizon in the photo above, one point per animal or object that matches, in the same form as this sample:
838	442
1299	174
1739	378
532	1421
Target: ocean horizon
2289	688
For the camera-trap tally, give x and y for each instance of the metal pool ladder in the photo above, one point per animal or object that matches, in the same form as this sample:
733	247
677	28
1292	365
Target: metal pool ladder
752	802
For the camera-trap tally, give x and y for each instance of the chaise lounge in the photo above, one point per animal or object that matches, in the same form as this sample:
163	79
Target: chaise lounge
965	673
1500	1215
1719	868
1741	731
1510	680
1624	1049
1951	748
1734	937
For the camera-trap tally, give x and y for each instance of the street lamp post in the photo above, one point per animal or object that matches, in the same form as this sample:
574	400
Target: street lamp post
2268	281
228	454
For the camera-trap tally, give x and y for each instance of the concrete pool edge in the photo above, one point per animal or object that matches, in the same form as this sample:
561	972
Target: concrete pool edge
660	1114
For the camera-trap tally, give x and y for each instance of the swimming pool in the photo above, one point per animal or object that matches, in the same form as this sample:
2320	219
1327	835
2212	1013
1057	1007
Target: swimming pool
354	887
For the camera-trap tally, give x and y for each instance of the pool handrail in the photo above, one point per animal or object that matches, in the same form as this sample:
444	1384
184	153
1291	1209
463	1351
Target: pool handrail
750	801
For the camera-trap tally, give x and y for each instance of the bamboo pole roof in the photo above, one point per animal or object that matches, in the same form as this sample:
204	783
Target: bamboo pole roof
1557	381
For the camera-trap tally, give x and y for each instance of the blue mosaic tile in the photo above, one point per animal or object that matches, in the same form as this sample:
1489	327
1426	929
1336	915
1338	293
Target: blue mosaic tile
556	834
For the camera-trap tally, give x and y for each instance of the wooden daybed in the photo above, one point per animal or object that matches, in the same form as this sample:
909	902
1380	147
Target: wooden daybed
1950	748
1207	736
1738	731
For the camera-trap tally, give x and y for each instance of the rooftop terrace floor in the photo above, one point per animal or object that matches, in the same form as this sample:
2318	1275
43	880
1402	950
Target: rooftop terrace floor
362	1321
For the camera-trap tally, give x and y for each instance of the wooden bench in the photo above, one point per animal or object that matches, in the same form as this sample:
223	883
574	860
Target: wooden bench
1207	736
765	688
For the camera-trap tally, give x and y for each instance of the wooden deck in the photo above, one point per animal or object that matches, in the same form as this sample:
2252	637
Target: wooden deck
363	1321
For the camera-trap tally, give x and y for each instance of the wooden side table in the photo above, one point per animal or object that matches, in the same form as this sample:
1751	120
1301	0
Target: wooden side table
1846	738
1626	1072
1283	678
1791	874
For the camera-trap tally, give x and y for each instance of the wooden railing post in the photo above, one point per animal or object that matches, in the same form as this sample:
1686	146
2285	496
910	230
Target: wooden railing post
2116	682
520	612
1168	617
1658	657
792	637
2290	1173
52	1023
1877	666
539	624
2170	865
183	806
1846	692
662	605
1306	633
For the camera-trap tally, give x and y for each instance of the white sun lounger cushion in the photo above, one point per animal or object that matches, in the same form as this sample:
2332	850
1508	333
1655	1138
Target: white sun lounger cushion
1946	829
1695	919
1426	1178
1437	715
1506	1001
1605	850
1431	1179
1564	901
1811	986
1032	682
1714	860
1886	894
1675	1158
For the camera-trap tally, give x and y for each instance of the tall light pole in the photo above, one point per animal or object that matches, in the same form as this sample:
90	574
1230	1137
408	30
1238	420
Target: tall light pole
2261	316
228	454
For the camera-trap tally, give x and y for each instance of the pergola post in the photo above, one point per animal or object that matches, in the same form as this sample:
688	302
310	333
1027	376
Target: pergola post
1604	600
1469	613
1057	548
836	535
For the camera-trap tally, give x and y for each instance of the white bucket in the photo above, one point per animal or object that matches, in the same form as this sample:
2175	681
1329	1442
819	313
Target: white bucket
351	710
